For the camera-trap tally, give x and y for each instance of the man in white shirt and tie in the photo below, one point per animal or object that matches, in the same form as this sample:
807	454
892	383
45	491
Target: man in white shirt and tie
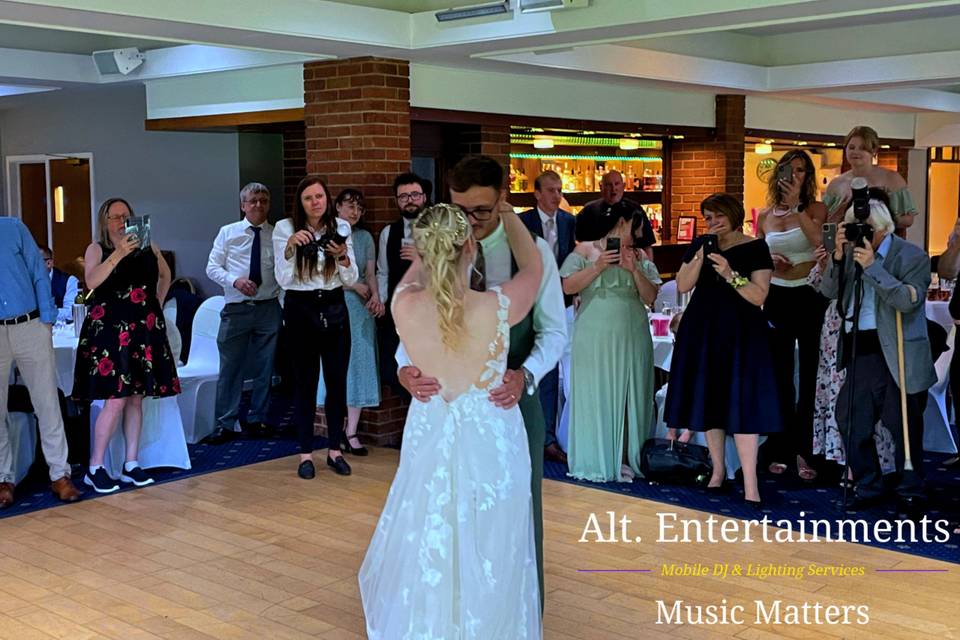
241	262
557	228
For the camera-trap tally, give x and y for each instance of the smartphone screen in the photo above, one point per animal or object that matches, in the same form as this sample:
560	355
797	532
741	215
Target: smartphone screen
613	244
829	236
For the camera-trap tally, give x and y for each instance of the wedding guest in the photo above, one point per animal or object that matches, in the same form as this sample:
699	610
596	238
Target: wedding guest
861	145
791	226
27	314
612	361
895	277
860	148
363	305
612	202
241	261
123	353
948	268
63	286
722	372
393	259
558	228
314	261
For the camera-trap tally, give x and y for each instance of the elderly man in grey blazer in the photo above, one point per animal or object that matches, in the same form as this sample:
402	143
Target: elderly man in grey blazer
896	275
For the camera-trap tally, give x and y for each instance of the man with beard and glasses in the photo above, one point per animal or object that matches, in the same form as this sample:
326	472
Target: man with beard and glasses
394	254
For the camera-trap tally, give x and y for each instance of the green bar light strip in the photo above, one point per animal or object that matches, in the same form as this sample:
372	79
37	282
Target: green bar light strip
541	156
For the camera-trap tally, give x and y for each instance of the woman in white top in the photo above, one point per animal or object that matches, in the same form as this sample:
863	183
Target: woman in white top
314	261
791	226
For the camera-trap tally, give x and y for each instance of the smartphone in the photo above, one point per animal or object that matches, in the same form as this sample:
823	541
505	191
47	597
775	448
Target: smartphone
785	173
829	235
710	244
613	244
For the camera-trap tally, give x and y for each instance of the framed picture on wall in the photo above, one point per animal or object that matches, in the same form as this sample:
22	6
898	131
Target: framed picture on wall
686	228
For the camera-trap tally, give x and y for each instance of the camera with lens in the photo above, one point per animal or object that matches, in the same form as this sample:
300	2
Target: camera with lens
857	231
312	250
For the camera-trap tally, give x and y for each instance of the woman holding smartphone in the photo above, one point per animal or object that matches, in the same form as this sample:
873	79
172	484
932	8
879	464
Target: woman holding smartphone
123	353
314	261
722	372
791	225
611	404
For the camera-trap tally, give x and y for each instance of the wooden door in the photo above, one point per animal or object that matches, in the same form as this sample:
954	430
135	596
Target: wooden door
73	232
33	200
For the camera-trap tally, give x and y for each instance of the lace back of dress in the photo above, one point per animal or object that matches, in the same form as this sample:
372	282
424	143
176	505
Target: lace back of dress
500	346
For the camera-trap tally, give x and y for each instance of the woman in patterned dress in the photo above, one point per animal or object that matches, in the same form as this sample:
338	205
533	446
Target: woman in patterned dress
363	305
123	353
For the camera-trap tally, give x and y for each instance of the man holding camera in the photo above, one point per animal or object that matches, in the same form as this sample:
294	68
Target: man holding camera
890	348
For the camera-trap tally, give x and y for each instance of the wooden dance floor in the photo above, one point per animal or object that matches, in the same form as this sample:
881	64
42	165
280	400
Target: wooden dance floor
255	552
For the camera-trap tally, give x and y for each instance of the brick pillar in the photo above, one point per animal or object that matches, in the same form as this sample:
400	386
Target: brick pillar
357	117
294	164
701	166
895	160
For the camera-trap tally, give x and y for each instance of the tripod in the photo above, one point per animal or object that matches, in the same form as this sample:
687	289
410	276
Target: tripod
852	367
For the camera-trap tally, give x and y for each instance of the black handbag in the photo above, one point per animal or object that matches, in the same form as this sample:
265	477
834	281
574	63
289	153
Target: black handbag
674	462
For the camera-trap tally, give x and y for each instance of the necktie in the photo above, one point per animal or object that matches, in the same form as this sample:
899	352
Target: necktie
478	277
255	274
550	234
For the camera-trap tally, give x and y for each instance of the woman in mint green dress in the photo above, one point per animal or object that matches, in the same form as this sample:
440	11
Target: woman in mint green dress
611	403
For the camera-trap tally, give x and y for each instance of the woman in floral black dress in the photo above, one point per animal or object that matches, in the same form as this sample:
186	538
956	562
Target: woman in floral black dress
123	353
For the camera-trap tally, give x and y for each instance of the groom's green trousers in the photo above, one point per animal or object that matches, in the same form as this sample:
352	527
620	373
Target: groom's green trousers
521	344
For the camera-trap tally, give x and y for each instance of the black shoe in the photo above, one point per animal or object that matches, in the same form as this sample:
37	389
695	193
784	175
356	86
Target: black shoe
755	504
220	436
339	465
722	489
346	447
306	470
101	481
912	506
136	476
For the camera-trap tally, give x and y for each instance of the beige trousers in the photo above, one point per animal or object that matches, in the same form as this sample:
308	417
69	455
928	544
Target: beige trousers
30	345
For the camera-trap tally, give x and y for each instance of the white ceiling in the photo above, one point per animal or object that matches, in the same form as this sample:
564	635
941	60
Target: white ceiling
878	54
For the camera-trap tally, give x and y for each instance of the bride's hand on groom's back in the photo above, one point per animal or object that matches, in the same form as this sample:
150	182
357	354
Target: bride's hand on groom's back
420	387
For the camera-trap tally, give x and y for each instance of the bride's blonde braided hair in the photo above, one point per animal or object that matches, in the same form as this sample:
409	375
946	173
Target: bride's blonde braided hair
439	234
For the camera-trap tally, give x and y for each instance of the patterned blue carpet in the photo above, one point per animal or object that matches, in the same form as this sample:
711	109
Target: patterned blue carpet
785	496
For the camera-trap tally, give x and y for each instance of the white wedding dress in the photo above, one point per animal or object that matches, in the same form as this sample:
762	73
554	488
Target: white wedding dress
453	555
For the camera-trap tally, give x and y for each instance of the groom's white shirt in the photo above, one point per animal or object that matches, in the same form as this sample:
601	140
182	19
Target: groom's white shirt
549	315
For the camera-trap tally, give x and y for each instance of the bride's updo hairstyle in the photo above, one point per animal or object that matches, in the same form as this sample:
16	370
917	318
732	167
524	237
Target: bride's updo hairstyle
439	234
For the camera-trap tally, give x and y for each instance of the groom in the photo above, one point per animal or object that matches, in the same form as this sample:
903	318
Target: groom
536	343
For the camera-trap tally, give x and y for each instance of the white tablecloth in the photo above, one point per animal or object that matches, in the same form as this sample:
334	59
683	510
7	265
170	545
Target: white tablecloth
162	442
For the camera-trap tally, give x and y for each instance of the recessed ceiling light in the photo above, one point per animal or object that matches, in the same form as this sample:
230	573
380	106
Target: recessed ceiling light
629	144
762	148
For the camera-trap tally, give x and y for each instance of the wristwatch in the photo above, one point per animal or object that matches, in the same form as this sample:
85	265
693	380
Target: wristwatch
529	382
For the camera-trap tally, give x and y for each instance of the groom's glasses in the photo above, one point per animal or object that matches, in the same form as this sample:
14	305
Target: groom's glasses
480	214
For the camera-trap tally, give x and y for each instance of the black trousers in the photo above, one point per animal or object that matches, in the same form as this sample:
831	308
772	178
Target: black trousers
318	330
796	314
876	396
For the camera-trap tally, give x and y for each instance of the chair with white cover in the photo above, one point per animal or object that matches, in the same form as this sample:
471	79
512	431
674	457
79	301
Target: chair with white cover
937	435
198	379
667	296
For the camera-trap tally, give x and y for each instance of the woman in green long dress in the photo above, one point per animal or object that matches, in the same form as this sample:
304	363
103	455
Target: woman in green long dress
611	382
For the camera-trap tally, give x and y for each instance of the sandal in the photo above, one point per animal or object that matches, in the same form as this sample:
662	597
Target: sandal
777	468
805	471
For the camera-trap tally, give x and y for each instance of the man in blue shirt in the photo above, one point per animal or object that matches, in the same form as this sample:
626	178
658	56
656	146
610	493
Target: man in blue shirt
27	313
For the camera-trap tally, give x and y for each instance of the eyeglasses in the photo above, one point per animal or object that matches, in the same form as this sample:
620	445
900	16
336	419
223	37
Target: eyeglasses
407	197
118	217
258	201
480	214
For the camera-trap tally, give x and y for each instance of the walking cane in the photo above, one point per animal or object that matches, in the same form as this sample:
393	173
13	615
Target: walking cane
907	462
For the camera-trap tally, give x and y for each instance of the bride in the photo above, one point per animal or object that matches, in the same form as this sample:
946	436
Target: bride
453	555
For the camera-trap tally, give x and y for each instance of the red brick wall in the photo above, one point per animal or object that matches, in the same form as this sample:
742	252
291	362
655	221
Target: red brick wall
357	133
700	167
294	164
357	116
